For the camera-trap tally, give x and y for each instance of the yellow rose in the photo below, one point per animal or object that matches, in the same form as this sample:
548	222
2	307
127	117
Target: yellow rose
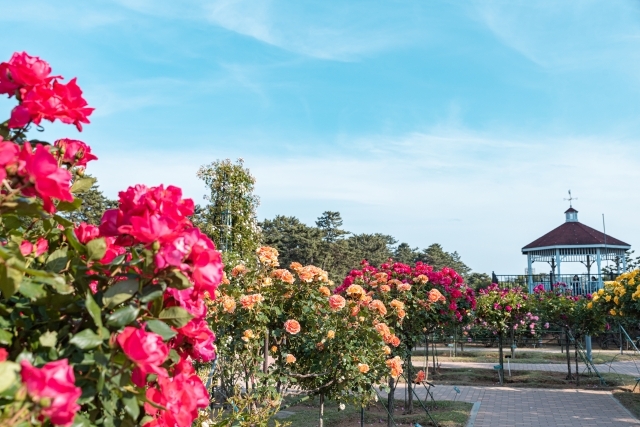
616	300
608	298
612	311
589	305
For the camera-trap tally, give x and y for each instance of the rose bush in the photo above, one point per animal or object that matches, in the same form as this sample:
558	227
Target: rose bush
98	325
320	343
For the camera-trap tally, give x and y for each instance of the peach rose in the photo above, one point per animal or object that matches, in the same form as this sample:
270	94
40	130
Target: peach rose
268	256
295	266
420	376
386	350
395	341
337	302
435	296
363	368
324	291
397	304
356	291
238	270
421	279
290	359
401	313
404	287
331	335
284	275
395	366
292	326
385	288
378	305
228	304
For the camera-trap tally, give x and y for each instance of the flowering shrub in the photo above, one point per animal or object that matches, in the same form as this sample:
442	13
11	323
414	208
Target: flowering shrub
619	298
99	325
503	309
413	300
321	343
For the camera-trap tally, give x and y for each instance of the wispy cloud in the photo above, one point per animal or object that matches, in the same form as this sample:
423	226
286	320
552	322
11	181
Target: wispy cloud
566	35
83	16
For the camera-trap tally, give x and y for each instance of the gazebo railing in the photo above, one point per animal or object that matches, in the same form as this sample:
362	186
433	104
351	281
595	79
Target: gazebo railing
576	284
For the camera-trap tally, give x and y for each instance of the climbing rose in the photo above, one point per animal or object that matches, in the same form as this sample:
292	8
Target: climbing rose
56	383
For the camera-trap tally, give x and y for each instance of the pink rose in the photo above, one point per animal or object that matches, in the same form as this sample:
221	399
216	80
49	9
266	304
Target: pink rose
197	334
3	354
55	382
41	246
86	232
146	349
76	153
26	247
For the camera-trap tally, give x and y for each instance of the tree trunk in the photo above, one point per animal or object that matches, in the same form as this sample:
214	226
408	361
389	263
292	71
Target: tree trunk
501	357
392	390
575	346
409	384
433	354
426	355
566	340
321	409
265	364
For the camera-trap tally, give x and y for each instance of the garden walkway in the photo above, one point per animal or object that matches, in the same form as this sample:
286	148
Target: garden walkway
626	368
523	407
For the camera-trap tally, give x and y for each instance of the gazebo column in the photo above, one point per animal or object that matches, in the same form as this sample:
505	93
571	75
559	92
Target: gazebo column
558	264
529	273
599	262
624	263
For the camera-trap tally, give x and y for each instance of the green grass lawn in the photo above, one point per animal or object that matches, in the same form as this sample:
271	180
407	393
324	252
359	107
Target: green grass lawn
446	414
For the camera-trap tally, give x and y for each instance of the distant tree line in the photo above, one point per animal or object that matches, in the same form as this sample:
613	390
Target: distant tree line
229	219
338	251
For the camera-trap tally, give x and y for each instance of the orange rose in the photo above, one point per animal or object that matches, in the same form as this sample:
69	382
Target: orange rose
420	376
284	275
363	368
397	304
401	313
295	266
355	310
434	295
292	326
337	302
324	291
395	366
268	256
331	335
249	301
395	341
274	349
404	287
421	279
356	291
290	359
238	270
378	305
385	288
228	304
225	280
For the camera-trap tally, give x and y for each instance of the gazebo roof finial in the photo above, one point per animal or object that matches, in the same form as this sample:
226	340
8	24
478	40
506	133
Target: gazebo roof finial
570	199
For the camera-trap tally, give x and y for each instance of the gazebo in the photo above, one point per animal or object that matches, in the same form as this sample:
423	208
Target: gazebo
574	242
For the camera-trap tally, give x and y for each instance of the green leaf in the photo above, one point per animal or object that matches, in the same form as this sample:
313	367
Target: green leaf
96	249
8	375
63	221
80	421
56	282
93	309
5	337
178	280
175	316
69	206
73	240
119	293
49	339
131	405
81	185
151	292
32	290
161	328
57	260
123	316
10	279
86	339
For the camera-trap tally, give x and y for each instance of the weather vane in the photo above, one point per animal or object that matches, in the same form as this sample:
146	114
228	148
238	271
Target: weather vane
570	199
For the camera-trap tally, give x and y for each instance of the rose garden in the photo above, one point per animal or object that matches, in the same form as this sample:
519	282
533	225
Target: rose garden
149	318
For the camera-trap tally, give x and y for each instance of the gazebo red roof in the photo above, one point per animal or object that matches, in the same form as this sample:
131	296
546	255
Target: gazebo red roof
574	234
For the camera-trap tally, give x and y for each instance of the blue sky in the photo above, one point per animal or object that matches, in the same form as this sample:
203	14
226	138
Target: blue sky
462	123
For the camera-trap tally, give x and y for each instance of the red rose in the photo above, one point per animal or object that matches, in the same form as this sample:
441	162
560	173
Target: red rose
23	70
55	382
146	349
76	153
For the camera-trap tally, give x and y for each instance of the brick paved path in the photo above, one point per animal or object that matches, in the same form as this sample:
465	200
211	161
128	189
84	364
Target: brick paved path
522	407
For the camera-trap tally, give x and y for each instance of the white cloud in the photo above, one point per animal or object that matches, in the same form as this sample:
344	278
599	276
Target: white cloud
566	35
483	195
